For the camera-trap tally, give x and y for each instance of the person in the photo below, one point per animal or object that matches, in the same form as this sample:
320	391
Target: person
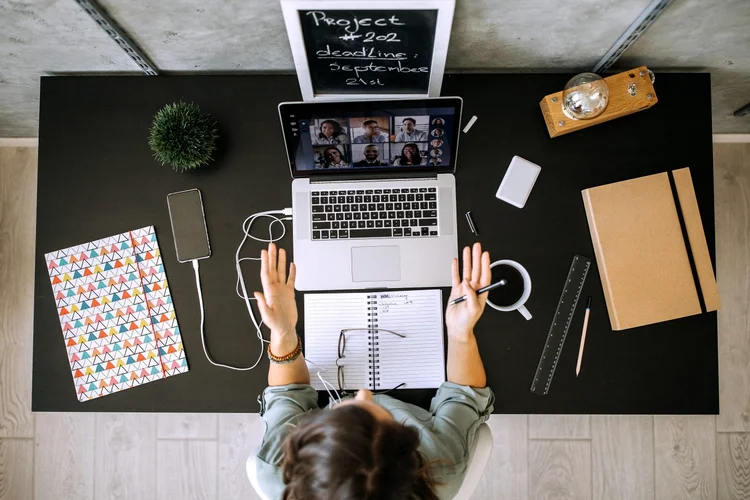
371	157
409	132
438	122
369	446
330	133
438	132
410	155
334	158
371	133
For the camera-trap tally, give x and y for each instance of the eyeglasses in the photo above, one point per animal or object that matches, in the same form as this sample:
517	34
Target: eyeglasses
342	347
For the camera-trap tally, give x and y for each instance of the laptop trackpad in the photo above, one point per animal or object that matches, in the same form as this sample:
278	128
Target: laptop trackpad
376	263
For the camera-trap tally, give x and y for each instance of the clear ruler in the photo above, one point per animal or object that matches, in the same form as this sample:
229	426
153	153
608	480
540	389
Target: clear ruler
566	306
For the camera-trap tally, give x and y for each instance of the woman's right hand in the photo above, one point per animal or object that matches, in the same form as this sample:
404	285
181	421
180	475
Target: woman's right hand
460	318
277	305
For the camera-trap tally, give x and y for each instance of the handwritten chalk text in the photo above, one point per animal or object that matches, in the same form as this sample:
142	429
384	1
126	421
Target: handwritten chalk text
362	81
366	48
364	52
352	25
400	68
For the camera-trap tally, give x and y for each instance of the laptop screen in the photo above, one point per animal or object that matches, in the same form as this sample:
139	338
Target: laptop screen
330	138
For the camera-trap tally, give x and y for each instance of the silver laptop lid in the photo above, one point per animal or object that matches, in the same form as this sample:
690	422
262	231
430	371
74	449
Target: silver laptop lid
361	138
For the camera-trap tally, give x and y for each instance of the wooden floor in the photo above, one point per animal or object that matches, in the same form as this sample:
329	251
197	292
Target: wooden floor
80	456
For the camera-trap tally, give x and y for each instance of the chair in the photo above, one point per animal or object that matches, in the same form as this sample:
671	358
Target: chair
255	439
478	459
480	455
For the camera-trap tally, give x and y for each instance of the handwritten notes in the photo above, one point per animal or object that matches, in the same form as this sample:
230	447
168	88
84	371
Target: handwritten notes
369	51
373	357
417	361
386	300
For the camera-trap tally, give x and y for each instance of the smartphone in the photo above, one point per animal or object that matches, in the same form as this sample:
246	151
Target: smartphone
188	225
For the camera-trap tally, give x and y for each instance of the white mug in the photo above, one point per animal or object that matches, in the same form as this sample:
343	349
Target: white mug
518	306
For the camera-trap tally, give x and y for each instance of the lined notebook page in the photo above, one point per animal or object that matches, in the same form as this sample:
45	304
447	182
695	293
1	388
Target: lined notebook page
325	316
417	360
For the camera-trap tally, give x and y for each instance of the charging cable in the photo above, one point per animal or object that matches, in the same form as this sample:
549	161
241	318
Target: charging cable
335	397
277	217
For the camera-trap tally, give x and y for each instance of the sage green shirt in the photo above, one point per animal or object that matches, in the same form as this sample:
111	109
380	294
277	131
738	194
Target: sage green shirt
446	431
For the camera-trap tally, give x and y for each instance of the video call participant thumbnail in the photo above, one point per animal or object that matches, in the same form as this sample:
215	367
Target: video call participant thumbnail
331	157
369	156
370	133
410	155
409	131
329	132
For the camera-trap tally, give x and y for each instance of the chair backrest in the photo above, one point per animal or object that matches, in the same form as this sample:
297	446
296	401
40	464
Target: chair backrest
480	455
254	440
253	476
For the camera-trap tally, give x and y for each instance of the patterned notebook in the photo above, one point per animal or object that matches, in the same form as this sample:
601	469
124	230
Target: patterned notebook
116	313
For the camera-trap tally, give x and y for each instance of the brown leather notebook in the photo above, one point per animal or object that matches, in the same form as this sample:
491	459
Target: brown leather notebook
651	250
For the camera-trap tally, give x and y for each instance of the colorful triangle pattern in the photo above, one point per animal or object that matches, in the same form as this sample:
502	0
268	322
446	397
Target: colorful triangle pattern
116	313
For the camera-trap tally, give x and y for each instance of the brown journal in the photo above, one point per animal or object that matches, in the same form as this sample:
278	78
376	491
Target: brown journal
651	250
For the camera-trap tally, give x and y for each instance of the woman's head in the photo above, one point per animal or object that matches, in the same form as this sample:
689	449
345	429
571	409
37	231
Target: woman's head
330	128
332	155
410	154
354	451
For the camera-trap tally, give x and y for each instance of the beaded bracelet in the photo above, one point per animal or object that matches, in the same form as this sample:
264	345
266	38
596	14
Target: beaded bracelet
287	358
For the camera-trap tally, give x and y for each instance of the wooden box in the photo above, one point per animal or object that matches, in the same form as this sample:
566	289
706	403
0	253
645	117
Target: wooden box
629	92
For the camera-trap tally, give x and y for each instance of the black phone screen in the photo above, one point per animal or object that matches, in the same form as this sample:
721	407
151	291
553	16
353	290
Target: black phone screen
188	225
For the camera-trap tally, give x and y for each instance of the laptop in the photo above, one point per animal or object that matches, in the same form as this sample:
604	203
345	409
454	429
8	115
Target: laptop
374	196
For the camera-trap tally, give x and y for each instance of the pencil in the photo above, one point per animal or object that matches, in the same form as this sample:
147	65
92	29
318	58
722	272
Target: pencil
583	335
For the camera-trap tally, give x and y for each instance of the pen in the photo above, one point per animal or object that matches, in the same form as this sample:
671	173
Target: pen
583	335
481	290
472	226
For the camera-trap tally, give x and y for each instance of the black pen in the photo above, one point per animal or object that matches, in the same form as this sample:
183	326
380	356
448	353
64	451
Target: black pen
481	290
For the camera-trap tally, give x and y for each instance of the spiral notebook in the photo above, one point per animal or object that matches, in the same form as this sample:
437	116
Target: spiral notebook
373	358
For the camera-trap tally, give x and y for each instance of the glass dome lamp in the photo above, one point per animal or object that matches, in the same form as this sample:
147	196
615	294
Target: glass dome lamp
585	96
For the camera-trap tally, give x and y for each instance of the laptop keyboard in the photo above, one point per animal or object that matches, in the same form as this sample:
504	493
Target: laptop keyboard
374	213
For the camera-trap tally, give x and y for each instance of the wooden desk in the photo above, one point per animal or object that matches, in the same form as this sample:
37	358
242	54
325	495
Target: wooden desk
93	139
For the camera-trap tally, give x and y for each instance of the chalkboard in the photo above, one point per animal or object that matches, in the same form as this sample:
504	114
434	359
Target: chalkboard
380	51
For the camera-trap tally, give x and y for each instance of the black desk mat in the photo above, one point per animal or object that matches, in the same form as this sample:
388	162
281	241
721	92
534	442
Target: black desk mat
93	138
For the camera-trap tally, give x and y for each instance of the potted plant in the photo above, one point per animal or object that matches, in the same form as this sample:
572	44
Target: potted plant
183	136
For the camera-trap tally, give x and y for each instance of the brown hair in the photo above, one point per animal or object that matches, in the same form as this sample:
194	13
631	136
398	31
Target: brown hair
348	454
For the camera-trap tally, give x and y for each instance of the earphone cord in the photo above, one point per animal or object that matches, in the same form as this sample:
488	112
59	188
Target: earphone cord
240	284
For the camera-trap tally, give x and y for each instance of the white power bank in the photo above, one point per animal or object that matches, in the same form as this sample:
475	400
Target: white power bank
518	181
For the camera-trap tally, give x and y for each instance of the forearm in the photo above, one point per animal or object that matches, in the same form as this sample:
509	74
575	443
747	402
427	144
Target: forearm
295	372
465	365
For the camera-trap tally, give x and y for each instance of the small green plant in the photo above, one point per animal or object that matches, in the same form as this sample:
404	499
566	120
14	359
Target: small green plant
183	136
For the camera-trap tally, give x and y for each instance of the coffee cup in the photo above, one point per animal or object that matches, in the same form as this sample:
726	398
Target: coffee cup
513	295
